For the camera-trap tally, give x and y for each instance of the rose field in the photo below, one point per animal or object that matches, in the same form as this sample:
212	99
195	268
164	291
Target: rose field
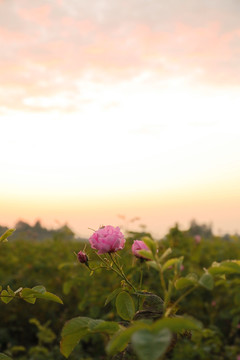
119	295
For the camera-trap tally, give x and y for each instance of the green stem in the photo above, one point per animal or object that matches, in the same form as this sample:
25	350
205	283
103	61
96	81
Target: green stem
161	278
169	310
140	286
170	288
15	296
141	278
121	273
107	266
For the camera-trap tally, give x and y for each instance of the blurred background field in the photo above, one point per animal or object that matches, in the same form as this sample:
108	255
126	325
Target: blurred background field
35	255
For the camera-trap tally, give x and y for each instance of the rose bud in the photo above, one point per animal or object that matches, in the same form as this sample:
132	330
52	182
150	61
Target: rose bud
139	245
82	257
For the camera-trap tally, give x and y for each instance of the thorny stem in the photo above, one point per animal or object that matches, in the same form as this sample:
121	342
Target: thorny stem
107	265
169	310
170	287
161	278
141	278
121	273
140	285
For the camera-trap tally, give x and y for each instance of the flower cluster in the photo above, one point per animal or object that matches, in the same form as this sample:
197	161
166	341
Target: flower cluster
109	239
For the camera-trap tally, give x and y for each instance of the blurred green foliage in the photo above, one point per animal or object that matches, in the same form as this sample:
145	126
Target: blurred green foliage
51	262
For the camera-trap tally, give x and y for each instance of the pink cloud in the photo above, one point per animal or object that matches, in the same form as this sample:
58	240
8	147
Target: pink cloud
39	15
45	43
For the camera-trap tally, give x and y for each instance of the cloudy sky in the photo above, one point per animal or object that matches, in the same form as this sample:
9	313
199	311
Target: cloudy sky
120	107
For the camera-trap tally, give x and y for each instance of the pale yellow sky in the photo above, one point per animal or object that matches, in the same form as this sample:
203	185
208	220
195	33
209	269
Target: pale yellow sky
105	111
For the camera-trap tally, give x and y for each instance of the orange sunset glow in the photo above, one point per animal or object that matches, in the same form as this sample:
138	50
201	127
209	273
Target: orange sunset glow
120	107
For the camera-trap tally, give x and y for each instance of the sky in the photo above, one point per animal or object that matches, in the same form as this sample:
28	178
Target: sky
122	107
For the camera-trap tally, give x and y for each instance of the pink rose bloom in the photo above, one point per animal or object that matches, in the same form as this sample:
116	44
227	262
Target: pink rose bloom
197	239
139	245
238	357
181	267
107	239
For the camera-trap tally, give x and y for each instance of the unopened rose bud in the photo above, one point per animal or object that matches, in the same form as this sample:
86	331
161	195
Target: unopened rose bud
82	257
139	245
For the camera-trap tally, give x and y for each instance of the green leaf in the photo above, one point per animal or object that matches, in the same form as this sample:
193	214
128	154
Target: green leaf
125	306
177	324
225	267
151	244
170	262
6	234
73	331
107	327
183	283
48	296
206	280
10	291
121	339
165	254
179	263
6	297
151	301
112	295
145	254
40	289
193	277
27	295
30	295
148	345
153	264
4	357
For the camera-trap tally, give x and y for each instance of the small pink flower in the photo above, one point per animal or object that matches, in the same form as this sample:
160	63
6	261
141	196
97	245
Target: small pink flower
82	257
181	267
197	239
213	303
107	239
139	245
238	357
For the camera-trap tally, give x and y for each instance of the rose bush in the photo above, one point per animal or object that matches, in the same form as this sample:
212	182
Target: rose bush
151	324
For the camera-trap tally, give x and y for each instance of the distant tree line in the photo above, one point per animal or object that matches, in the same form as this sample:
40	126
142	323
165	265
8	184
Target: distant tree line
37	232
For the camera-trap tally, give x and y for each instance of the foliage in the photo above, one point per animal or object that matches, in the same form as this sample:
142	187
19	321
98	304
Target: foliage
52	262
27	294
153	337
